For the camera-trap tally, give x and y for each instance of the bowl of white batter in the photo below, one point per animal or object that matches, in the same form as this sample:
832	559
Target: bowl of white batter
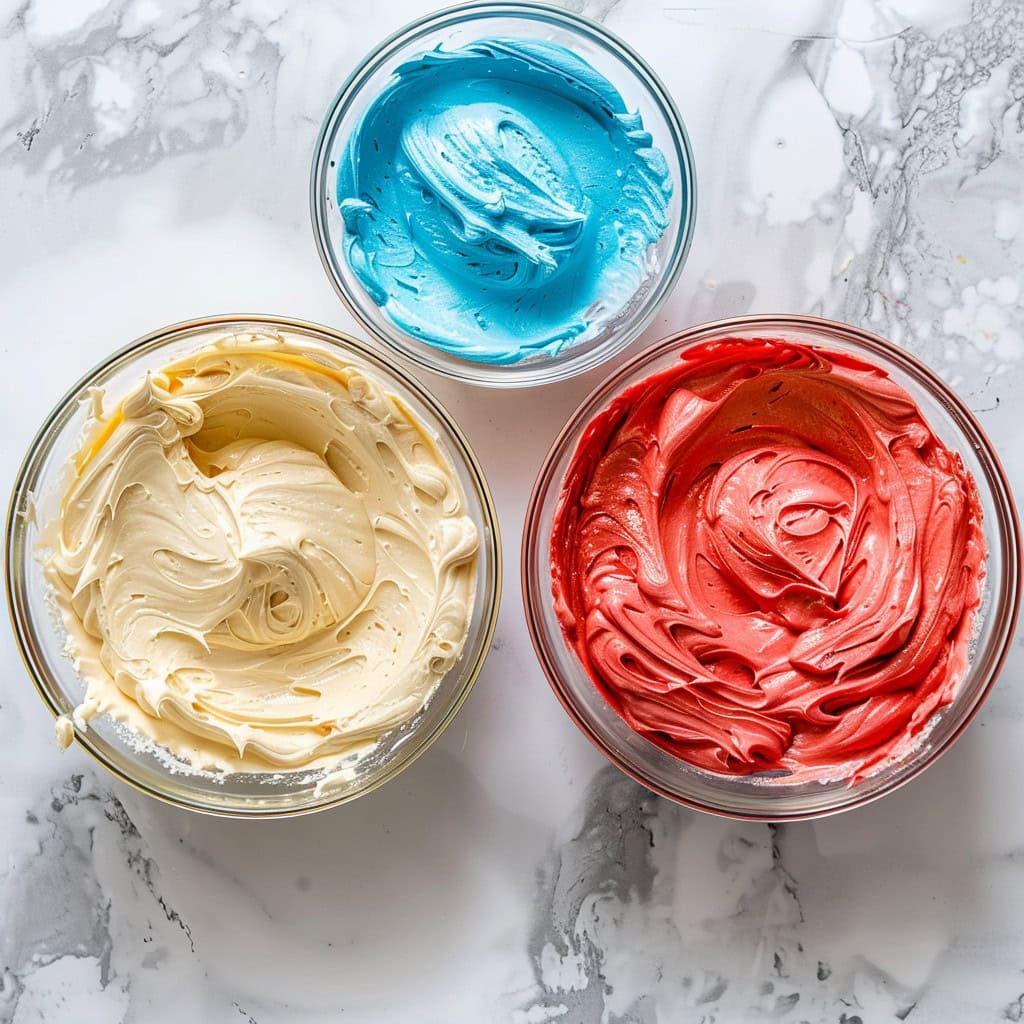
252	568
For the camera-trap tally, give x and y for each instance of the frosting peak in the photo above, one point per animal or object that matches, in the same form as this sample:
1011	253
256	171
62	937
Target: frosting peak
498	189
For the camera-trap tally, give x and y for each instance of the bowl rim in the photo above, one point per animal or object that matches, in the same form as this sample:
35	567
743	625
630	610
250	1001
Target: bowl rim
512	375
15	550
598	397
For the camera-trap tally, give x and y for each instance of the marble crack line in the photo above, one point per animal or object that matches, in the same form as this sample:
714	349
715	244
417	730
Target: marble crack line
175	918
674	13
789	883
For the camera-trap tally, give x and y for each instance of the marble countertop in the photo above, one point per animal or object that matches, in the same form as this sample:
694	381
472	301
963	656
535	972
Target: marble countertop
858	159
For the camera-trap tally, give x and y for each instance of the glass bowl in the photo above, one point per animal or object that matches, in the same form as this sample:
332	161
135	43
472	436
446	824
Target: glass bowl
41	636
641	90
765	798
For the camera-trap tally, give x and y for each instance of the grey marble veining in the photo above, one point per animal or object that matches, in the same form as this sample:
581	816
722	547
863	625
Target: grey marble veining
857	159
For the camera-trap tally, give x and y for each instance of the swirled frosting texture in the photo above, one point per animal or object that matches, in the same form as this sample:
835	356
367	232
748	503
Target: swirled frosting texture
264	558
766	560
500	200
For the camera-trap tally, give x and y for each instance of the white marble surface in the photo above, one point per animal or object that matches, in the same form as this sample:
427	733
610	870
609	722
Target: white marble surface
858	159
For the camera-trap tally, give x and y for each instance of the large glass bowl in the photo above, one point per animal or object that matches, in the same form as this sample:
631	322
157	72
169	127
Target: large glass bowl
761	798
41	637
641	90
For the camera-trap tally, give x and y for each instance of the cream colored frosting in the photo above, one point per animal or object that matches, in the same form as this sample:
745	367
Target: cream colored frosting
264	560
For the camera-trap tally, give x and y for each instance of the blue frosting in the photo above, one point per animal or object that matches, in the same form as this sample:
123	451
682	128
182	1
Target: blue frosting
499	200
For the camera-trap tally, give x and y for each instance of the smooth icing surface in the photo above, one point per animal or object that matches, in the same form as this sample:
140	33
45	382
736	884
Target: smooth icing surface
500	200
766	560
264	559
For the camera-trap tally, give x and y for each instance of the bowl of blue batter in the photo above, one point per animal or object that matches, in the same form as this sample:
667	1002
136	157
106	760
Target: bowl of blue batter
503	193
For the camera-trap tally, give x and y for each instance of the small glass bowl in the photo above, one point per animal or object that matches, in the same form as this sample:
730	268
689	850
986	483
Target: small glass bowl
41	636
775	799
641	90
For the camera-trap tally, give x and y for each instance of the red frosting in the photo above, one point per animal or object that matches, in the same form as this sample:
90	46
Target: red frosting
766	560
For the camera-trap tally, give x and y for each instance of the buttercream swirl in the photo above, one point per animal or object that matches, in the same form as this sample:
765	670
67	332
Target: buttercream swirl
767	561
264	559
499	199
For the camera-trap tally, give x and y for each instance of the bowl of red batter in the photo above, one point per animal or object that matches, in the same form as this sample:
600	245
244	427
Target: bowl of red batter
771	567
